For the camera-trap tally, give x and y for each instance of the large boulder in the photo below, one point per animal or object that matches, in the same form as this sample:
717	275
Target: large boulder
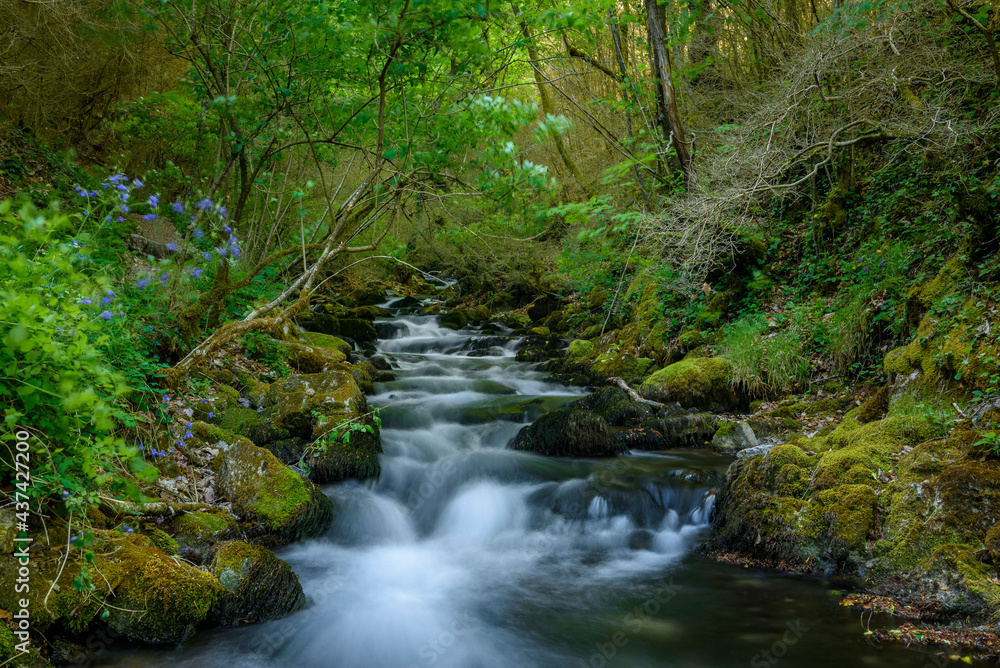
311	359
323	407
700	382
258	585
568	432
265	491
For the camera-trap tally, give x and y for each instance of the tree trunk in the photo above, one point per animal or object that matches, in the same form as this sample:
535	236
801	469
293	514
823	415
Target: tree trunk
670	117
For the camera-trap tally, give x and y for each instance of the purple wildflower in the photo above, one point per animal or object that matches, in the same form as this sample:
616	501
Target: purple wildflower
198	234
85	300
106	315
204	204
171	246
143	282
137	183
149	216
177	207
196	272
154	201
207	255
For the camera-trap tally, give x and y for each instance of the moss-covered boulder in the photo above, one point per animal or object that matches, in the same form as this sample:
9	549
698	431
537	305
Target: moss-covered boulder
568	432
264	491
359	331
454	320
311	359
258	585
302	402
197	533
326	341
702	383
157	599
762	508
336	459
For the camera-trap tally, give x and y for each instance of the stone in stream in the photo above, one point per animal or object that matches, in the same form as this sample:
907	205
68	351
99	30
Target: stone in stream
568	433
284	506
258	585
733	437
650	427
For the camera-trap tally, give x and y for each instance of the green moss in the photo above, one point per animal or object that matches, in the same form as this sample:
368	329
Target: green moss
846	514
264	490
197	532
259	586
538	331
790	411
326	341
620	365
696	383
160	539
454	320
157	599
6	642
210	433
229	392
578	348
690	339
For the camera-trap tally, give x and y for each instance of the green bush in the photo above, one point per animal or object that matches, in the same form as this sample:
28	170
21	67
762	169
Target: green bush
764	365
54	383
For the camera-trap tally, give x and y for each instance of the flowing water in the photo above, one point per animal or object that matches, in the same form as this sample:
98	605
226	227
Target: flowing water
466	554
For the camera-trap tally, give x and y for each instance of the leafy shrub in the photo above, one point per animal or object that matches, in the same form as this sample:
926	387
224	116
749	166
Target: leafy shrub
54	382
263	348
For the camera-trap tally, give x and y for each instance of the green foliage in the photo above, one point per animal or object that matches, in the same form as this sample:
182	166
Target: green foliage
263	348
764	364
53	380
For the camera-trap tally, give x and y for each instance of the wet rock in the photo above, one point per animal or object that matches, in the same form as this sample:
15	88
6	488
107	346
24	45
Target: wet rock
756	451
265	491
701	382
568	433
731	437
311	359
157	599
454	320
197	533
258	585
326	341
360	331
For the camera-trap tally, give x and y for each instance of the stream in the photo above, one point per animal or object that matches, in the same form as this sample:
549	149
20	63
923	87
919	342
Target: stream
466	554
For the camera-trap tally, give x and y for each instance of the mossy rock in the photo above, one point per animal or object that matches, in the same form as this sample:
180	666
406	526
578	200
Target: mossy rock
731	437
957	582
157	599
845	515
265	491
690	340
326	341
258	585
454	320
310	359
355	459
294	403
620	365
702	383
212	434
568	432
578	348
160	539
197	533
360	331
248	422
540	331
